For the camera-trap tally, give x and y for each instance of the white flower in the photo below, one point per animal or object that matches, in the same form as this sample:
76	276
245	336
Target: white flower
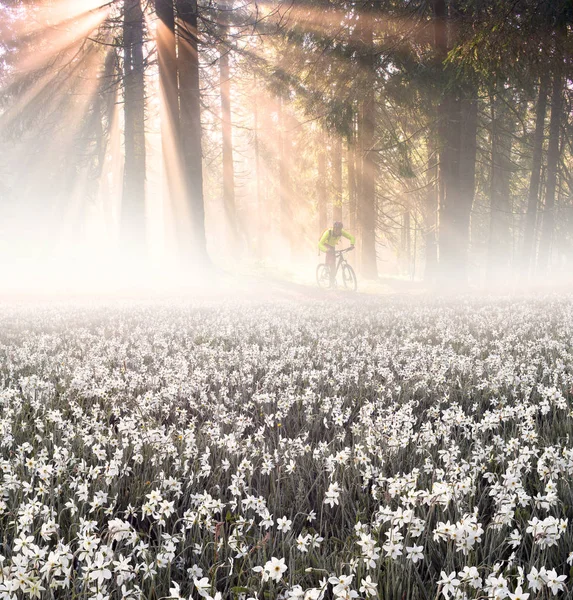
554	582
175	592
123	570
284	524
267	520
275	568
519	594
535	579
369	587
202	586
302	542
514	539
297	593
498	586
415	553
332	494
99	570
393	549
341	584
195	572
34	589
448	583
470	575
22	543
119	530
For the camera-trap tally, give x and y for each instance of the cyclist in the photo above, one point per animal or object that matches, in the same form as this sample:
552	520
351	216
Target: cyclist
327	243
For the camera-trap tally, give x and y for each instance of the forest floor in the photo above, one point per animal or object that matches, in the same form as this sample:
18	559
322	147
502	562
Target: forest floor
244	283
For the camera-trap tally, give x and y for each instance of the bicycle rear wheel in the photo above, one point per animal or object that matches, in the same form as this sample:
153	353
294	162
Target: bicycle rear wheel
349	278
323	276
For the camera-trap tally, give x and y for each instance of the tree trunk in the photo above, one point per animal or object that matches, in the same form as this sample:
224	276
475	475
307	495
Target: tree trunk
499	249
191	147
351	154
337	178
167	59
133	201
528	255
227	126
406	244
367	216
166	43
449	122
457	125
431	212
321	187
449	115
285	153
552	169
469	114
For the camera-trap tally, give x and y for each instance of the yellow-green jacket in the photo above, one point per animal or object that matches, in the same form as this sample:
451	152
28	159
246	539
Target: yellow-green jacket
329	239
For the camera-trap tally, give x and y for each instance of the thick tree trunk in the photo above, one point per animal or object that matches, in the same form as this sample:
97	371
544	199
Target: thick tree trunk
499	249
457	125
528	255
469	114
367	214
190	122
553	158
227	126
133	201
458	122
351	154
431	213
166	43
449	115
167	59
449	130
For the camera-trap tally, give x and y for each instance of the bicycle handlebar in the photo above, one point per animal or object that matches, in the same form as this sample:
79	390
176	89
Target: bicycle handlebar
344	251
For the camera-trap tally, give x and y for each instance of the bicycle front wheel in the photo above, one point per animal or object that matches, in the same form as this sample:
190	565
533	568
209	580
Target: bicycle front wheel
323	276
349	278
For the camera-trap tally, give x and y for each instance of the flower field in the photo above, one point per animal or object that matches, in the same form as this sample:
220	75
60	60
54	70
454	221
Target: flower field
396	449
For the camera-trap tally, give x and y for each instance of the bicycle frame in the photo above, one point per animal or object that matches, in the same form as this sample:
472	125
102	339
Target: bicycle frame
341	260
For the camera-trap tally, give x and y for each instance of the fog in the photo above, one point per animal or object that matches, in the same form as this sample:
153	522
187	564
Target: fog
210	148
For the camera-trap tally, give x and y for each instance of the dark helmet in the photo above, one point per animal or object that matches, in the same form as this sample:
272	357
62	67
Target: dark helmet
337	225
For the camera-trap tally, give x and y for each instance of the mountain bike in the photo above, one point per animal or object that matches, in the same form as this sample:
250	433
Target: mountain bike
349	281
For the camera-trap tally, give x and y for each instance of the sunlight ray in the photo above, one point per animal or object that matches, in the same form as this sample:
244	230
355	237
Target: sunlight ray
49	89
42	17
56	45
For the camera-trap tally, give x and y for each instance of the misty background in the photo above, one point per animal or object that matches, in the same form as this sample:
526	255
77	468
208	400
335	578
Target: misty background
164	137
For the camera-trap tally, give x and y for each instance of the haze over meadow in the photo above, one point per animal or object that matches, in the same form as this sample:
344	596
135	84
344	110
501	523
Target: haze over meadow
157	137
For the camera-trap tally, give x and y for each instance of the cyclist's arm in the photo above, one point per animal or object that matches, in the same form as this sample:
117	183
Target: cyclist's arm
349	236
322	241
